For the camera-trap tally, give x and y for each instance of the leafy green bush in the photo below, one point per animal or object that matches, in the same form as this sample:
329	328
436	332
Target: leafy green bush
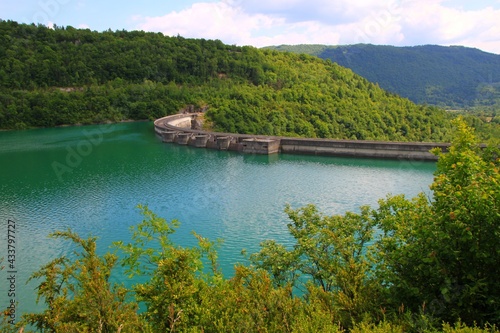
419	265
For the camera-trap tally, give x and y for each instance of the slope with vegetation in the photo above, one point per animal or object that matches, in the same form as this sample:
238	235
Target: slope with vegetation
455	77
51	77
409	265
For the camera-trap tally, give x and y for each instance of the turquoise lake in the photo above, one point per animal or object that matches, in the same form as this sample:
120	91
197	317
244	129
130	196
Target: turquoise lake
91	178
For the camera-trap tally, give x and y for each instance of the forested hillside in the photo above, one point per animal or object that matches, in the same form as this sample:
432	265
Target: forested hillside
51	77
456	76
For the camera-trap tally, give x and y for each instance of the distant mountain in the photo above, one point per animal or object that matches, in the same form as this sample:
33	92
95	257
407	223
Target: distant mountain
454	76
52	77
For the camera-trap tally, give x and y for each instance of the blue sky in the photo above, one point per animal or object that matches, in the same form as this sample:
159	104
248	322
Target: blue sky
470	23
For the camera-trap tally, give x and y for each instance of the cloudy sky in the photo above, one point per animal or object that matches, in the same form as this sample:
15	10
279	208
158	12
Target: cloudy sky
472	23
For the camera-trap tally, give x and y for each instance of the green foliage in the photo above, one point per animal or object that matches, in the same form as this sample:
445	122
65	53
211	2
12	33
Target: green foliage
79	296
467	187
383	327
441	255
331	252
456	77
180	295
311	98
52	77
418	265
428	259
461	328
172	292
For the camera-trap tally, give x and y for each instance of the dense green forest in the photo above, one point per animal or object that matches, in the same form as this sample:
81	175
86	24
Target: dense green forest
426	264
51	77
408	265
454	77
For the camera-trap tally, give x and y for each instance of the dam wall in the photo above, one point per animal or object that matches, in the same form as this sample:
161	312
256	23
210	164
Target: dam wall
180	129
359	148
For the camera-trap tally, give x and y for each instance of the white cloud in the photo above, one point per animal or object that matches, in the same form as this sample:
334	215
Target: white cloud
300	33
269	22
437	24
210	20
324	11
274	22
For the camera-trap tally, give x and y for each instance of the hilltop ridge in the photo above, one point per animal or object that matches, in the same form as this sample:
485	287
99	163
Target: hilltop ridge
452	76
51	77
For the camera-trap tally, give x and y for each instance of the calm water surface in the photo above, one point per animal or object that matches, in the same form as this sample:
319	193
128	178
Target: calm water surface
91	178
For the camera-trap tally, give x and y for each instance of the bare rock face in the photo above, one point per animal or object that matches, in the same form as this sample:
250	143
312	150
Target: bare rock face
196	124
192	109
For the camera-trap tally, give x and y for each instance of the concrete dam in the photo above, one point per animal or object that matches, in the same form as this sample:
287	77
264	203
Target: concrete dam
183	129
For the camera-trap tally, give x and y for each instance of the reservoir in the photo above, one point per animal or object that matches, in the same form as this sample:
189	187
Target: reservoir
91	179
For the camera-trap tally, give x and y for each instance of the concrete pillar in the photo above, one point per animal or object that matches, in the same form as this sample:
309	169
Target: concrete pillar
201	140
223	142
169	136
183	138
261	146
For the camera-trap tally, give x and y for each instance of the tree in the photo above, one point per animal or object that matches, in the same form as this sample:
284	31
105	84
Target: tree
467	208
436	256
173	289
331	253
442	255
408	265
79	296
